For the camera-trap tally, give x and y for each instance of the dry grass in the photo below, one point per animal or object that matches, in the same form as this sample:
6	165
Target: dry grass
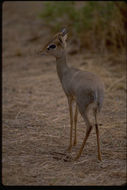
35	131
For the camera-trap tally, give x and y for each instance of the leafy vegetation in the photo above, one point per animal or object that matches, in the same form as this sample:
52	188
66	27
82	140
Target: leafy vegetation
97	24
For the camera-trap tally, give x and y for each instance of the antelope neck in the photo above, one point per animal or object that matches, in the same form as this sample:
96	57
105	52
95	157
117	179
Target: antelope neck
61	64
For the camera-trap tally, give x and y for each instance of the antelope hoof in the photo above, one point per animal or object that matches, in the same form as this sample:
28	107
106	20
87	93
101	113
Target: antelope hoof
68	158
75	142
76	158
99	158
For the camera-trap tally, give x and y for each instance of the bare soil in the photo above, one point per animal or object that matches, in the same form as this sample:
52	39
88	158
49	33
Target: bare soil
35	130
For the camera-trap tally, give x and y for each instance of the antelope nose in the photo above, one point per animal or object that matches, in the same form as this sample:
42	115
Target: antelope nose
41	52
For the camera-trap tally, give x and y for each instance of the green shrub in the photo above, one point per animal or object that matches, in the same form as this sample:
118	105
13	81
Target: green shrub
95	18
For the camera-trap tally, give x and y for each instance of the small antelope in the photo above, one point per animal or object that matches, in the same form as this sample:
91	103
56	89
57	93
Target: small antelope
85	88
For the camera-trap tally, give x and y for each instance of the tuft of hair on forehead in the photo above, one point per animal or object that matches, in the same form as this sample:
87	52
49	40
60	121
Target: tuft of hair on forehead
54	39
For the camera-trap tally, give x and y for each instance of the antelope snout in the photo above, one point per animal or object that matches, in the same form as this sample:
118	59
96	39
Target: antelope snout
42	52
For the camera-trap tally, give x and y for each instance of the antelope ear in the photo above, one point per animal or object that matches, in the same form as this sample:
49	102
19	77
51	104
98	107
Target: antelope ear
64	34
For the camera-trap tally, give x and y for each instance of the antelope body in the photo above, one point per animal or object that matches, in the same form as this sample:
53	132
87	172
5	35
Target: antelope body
85	88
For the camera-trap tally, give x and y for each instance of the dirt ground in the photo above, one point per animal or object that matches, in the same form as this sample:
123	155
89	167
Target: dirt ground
35	130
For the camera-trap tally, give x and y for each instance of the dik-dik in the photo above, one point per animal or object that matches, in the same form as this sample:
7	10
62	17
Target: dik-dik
85	88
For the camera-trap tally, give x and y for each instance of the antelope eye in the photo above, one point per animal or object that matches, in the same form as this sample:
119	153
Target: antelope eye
51	46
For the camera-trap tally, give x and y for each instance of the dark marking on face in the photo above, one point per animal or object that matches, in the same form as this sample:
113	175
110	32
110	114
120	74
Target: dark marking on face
52	46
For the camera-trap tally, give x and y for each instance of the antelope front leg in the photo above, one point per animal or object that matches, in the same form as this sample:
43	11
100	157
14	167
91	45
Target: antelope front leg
71	123
75	124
